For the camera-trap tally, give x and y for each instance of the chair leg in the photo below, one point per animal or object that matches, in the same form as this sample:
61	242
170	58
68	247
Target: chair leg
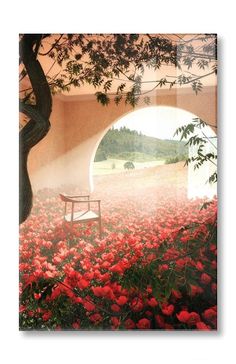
100	228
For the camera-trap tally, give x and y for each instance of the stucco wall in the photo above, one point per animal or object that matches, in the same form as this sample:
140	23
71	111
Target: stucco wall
78	123
53	144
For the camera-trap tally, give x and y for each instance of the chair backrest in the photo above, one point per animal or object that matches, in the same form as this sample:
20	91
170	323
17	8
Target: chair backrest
68	198
63	197
77	200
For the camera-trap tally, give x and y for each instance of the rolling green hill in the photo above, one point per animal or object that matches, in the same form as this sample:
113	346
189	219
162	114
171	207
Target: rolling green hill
130	145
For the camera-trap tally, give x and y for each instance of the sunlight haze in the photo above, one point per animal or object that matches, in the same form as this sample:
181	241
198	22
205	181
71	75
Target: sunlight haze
158	122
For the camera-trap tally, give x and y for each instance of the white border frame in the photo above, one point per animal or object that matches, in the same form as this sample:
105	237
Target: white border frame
116	347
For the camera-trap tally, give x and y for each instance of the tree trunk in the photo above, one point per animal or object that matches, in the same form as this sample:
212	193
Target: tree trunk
38	126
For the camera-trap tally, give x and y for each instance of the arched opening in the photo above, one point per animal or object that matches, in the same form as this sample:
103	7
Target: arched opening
79	129
149	143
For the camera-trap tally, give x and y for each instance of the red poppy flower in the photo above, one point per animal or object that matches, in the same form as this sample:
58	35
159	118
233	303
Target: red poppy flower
160	321
97	291
176	294
47	315
89	306
122	300
143	324
118	268
205	278
136	305
76	325
195	290
168	310
96	318
201	326
129	324
152	302
115	322
183	316
210	314
199	266
37	296
115	308
83	283
194	318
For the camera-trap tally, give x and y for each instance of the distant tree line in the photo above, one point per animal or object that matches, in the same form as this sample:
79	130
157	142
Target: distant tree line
129	144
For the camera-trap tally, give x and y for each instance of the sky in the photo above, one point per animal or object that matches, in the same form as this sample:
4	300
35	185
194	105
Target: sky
159	122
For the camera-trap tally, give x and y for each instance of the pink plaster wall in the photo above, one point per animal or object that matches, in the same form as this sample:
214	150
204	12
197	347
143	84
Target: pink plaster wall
78	123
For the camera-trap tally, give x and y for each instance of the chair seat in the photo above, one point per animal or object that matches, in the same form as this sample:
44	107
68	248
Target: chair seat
81	216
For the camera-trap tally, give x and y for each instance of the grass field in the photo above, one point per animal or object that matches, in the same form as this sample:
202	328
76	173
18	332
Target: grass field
147	181
113	166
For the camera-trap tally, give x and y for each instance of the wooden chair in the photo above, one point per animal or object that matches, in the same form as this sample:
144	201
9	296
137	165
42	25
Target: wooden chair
81	216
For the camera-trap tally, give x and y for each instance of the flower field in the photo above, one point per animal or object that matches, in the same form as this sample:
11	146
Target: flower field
154	268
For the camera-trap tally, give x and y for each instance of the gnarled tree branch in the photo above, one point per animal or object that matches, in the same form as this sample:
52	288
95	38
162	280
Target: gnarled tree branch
39	114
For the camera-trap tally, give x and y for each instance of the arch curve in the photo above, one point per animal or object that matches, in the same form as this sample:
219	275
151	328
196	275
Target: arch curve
157	121
79	123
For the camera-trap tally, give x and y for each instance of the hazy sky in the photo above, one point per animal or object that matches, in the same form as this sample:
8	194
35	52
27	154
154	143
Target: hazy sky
160	122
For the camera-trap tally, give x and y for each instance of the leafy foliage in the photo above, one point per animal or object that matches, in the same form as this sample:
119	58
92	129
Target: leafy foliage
195	136
162	280
118	62
176	159
100	156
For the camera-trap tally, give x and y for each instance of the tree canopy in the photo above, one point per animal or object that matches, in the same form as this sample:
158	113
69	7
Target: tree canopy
128	144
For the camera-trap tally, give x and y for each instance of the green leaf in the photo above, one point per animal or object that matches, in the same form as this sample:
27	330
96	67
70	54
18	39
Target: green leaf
205	205
170	284
47	291
147	100
102	98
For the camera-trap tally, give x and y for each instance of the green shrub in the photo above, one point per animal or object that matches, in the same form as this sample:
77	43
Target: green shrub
100	156
176	159
129	165
134	156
